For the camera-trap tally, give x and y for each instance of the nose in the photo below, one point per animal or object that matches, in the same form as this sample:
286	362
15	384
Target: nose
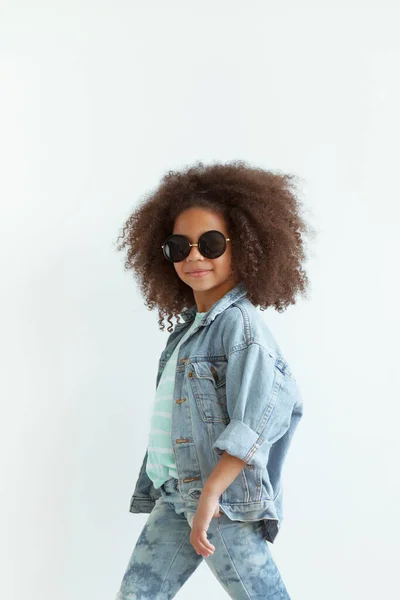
194	253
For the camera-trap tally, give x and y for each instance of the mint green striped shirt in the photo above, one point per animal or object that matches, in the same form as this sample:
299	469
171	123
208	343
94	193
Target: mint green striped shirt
161	464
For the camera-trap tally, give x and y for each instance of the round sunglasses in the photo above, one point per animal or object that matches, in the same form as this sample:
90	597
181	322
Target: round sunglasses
211	244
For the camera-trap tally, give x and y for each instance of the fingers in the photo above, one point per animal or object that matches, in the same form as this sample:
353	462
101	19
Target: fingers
203	550
201	544
204	540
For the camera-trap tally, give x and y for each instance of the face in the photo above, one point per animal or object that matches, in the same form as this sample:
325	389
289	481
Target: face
218	278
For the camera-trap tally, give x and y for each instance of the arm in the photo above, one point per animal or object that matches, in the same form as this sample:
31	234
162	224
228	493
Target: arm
251	395
225	471
260	402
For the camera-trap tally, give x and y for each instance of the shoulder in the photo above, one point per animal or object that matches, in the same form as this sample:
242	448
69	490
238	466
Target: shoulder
244	326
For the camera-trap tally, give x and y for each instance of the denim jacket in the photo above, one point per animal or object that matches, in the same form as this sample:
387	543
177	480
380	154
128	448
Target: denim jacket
233	391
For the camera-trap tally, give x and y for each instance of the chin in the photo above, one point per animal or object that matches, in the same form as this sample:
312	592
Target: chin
199	283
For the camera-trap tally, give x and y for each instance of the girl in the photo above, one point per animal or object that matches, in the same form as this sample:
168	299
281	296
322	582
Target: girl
228	237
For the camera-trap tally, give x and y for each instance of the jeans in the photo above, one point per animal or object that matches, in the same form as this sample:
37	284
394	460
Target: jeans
163	557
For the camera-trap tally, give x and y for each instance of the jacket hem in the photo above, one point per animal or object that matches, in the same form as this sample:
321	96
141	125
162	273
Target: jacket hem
255	511
243	511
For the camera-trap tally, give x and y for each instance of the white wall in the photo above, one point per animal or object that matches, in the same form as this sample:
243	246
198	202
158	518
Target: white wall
98	100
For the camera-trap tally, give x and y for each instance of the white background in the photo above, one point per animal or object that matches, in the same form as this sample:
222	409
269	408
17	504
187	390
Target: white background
98	100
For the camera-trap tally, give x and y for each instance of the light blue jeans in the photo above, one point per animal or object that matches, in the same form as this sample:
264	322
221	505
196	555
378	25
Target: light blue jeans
163	557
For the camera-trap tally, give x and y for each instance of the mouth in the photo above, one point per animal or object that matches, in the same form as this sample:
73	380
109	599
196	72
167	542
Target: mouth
199	273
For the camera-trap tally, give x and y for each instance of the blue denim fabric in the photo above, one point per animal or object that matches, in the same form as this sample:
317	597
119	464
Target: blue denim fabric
163	557
234	391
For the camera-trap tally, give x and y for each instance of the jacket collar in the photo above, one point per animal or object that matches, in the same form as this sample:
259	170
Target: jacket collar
238	291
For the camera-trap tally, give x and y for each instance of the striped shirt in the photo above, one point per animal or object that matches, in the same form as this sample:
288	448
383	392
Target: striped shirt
161	464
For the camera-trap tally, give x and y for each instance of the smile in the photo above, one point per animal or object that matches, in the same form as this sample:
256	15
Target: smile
199	273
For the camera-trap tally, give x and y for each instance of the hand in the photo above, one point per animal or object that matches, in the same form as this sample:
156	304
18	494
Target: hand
208	508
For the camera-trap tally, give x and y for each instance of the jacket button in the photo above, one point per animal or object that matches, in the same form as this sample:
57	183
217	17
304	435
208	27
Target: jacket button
190	374
182	440
182	360
180	400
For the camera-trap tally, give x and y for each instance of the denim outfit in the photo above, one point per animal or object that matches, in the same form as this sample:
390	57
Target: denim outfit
233	391
163	557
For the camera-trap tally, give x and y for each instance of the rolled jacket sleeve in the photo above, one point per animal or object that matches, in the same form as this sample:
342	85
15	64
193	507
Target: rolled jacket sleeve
260	402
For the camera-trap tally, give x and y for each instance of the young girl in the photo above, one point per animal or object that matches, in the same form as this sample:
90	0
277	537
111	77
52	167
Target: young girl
212	243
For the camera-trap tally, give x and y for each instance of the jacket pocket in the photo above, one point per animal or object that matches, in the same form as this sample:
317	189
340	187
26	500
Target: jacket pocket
208	383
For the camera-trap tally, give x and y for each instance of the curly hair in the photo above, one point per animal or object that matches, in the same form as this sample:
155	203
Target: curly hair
262	210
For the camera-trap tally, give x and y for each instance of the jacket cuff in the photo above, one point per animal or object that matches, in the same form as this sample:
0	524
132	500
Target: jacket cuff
241	441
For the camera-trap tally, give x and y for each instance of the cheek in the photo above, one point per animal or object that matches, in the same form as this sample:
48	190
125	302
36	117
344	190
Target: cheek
223	263
180	270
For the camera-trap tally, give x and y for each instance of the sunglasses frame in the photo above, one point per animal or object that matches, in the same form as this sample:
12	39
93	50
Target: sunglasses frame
190	245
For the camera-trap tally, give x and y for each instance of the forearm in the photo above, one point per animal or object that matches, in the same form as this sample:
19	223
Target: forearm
225	471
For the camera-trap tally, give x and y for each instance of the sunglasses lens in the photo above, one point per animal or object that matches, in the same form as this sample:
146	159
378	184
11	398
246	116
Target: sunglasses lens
176	248
212	244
